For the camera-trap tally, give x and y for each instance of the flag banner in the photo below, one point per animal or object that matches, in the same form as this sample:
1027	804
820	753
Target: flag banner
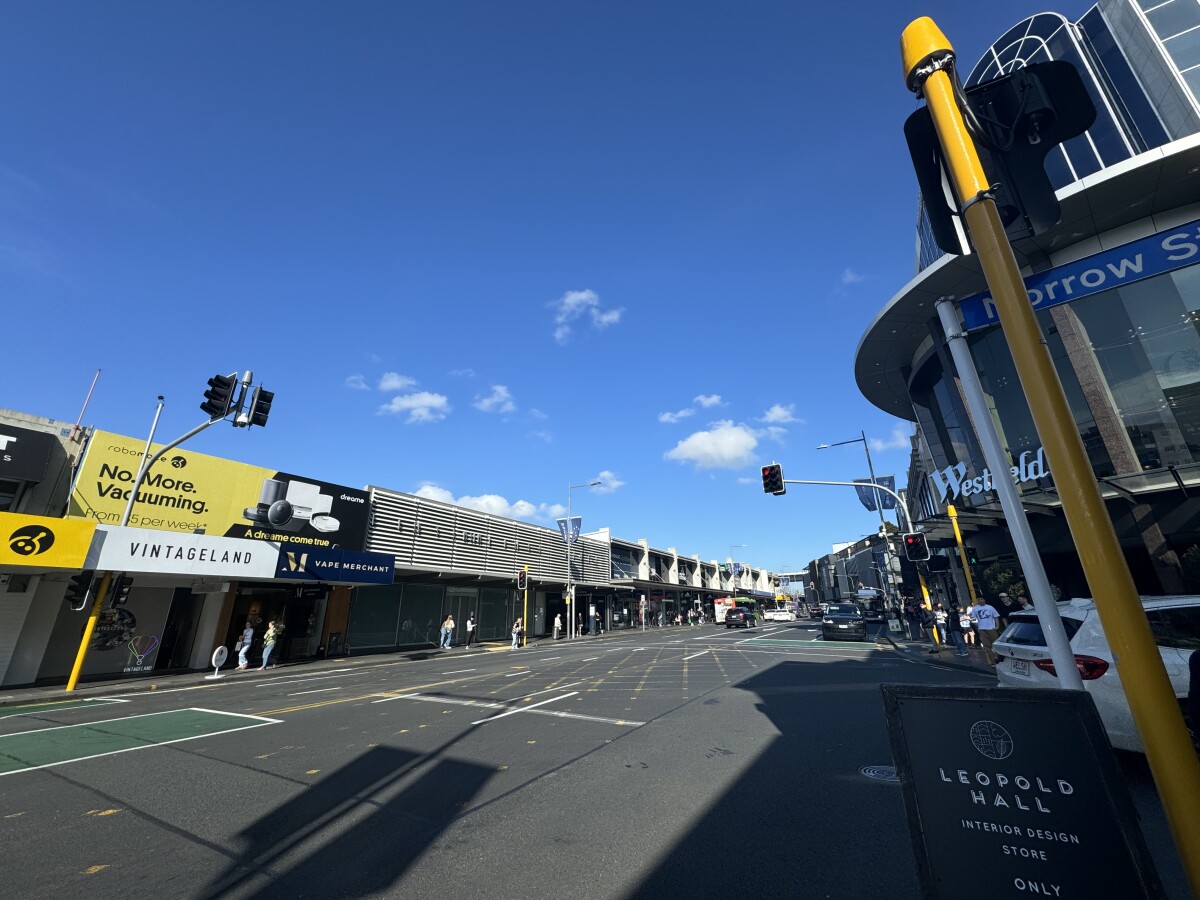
576	524
867	495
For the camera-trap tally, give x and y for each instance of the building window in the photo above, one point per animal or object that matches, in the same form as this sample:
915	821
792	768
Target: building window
9	492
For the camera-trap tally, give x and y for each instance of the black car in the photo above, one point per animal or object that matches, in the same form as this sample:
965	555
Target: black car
843	620
741	617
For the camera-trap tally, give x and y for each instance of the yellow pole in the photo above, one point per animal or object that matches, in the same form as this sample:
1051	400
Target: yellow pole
93	616
928	57
525	612
962	553
925	602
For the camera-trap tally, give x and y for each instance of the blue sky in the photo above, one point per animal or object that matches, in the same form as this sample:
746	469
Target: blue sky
479	250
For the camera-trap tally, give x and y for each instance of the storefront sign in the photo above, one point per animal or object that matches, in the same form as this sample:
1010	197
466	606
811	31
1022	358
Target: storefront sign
1135	261
1014	793
952	482
44	543
346	566
24	454
187	491
120	549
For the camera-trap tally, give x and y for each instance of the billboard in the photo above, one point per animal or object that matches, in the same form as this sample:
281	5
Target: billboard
190	492
43	542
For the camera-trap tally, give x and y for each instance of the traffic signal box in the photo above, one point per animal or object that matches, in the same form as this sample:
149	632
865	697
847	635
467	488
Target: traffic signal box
79	588
916	548
219	396
772	477
522	580
260	406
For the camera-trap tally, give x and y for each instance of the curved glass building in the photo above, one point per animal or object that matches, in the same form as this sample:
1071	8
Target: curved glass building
1116	289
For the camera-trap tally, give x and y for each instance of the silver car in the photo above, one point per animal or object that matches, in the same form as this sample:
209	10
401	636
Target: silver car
1023	659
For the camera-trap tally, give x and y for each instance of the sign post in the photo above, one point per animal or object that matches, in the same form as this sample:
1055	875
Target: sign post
1020	784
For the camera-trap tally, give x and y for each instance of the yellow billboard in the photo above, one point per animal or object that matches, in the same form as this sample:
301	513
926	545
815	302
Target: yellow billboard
40	542
187	491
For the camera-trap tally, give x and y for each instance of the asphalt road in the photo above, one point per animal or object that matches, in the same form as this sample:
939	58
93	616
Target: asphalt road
689	761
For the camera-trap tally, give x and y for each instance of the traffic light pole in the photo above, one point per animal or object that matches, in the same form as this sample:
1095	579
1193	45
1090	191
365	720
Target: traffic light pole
88	629
928	62
858	484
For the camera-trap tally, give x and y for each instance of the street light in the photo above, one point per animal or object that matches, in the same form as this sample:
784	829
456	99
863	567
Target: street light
571	630
887	546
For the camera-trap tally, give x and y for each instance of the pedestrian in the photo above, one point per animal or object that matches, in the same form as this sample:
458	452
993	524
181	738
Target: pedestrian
913	617
243	645
940	621
1023	602
274	630
968	630
557	625
1004	607
986	618
954	628
516	633
470	630
445	633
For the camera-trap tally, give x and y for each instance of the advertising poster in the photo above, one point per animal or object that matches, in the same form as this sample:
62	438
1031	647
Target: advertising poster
44	543
187	491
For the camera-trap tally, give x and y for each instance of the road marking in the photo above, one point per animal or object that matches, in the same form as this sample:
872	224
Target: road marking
318	691
271	682
523	708
694	655
451	701
458	671
55	705
548	690
63	744
513	674
590	659
548	658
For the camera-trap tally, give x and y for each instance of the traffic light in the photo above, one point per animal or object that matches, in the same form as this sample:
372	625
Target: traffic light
78	589
219	396
772	476
972	556
1015	121
522	579
260	406
916	549
120	590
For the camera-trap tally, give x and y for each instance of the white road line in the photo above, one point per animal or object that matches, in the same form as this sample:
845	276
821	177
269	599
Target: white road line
694	655
590	659
548	690
514	674
582	717
458	671
297	680
523	708
449	701
548	658
319	691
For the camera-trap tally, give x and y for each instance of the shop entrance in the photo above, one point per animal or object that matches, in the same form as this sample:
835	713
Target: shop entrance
301	608
460	603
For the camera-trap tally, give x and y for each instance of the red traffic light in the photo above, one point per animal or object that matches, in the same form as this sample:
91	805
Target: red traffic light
772	479
916	548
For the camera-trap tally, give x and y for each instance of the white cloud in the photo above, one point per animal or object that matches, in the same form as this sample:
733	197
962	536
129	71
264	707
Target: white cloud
708	400
537	414
463	373
498	401
494	504
670	418
898	441
421	407
611	483
780	415
394	381
575	305
357	383
775	433
723	446
849	276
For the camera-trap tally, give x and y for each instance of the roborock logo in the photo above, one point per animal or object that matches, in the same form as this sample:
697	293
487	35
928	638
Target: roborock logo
30	540
952	481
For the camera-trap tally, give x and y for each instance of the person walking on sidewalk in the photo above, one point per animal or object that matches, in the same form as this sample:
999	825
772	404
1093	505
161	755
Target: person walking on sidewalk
516	634
447	632
954	627
470	630
557	625
940	621
274	630
986	618
243	647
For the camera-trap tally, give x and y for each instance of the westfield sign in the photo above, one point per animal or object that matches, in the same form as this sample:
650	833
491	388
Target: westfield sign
952	482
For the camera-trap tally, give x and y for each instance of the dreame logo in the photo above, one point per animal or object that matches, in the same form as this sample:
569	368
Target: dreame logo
952	482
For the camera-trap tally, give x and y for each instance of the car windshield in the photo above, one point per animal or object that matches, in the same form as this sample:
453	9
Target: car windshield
843	609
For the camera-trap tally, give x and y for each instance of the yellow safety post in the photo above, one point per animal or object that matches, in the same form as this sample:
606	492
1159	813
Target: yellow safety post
962	553
93	616
929	606
928	67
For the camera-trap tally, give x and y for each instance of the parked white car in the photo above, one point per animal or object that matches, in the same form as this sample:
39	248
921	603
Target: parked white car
779	615
1023	659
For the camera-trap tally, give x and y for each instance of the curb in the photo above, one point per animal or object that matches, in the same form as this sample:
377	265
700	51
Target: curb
936	657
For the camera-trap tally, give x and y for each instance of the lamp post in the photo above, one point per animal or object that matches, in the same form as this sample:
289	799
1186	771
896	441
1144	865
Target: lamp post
732	572
571	630
887	545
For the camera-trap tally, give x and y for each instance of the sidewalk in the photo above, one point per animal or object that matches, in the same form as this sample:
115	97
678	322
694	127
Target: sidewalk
942	655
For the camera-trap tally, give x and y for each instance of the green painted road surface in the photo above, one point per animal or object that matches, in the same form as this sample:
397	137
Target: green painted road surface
71	743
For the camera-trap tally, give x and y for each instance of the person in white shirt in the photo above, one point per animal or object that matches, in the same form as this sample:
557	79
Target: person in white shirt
986	618
246	641
470	630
